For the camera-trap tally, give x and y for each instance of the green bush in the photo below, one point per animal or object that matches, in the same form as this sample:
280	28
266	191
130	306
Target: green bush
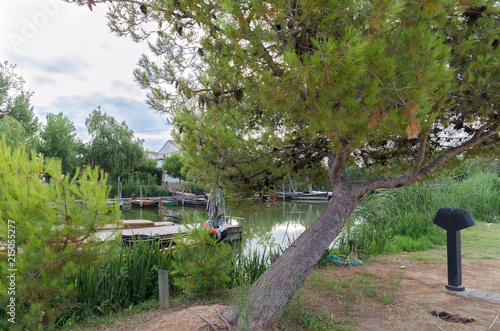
131	186
52	231
196	188
157	191
201	264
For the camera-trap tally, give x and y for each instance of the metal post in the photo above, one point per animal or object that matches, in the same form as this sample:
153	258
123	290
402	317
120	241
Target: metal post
454	220
353	256
454	250
163	289
140	190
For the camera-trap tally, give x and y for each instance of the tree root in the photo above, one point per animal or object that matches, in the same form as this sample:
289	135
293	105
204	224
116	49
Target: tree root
225	321
214	326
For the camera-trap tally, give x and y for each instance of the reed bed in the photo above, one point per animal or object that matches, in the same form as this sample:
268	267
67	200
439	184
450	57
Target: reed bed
401	219
247	268
127	279
131	277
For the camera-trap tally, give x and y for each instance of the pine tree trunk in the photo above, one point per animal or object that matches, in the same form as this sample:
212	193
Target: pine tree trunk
274	289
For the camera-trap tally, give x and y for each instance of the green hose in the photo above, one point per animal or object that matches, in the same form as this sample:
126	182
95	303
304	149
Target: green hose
338	261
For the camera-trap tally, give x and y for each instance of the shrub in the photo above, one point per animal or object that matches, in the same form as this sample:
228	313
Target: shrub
201	264
52	231
195	188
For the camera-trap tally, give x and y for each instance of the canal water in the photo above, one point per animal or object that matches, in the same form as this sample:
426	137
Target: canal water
266	227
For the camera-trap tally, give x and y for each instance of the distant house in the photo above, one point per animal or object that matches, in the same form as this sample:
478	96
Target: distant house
167	150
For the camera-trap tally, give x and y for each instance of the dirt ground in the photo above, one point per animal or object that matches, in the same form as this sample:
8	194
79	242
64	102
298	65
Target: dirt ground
423	276
421	291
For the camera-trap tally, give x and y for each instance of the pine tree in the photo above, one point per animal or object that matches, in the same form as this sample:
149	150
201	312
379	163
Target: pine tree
258	90
50	232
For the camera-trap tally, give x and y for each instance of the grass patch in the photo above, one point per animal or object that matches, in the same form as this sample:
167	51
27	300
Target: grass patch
301	315
408	244
354	291
388	296
480	241
349	291
428	257
311	308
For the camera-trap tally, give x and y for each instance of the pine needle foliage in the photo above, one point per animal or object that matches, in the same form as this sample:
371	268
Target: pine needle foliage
201	264
260	89
55	232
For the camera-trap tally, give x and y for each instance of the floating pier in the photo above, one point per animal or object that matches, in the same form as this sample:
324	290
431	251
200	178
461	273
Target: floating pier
160	231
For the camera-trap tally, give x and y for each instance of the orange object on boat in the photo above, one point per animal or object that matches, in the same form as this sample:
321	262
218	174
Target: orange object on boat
211	230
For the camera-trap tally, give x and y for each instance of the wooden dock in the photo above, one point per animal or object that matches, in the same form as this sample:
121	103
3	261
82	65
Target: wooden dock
161	231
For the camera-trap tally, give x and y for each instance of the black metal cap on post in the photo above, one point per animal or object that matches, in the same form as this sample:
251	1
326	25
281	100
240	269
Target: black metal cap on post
453	220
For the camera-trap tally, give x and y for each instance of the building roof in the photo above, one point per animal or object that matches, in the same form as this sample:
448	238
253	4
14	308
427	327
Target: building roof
173	142
169	147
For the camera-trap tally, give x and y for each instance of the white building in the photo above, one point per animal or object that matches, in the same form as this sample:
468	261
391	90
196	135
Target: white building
167	150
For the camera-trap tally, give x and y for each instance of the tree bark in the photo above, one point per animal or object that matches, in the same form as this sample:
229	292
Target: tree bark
274	289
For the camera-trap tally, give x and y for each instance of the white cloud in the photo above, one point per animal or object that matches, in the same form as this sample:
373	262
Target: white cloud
73	63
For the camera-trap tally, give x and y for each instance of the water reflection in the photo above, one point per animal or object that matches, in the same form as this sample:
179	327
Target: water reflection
274	227
269	227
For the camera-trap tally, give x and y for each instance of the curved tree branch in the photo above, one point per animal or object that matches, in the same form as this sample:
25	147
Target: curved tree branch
486	131
337	162
320	151
422	143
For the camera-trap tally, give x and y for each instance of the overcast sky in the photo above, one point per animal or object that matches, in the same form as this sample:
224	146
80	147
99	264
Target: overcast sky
73	63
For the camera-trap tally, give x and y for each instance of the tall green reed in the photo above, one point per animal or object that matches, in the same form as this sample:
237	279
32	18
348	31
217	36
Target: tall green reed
131	277
480	194
247	268
127	279
401	219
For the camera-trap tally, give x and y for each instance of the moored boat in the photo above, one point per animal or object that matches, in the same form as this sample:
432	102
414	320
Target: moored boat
168	203
145	203
286	195
197	200
314	195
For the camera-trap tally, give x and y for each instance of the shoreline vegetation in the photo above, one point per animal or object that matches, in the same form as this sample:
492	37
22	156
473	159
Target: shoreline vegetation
396	221
393	221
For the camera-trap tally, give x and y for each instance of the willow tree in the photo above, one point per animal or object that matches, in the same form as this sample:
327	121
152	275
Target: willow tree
58	140
261	89
113	146
15	100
